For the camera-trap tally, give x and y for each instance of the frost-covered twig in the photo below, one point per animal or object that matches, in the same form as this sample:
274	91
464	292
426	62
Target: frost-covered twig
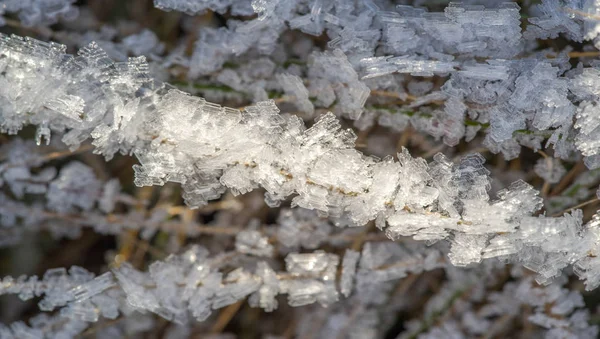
193	284
208	148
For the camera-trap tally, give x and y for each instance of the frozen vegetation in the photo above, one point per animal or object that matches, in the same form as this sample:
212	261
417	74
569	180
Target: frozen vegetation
409	170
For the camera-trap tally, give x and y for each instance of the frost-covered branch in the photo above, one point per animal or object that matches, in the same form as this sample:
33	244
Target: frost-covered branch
208	149
189	287
193	284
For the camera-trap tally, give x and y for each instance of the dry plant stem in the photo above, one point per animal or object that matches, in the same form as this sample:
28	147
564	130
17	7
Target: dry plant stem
394	95
404	138
583	14
59	154
165	226
289	331
591	201
546	187
498	327
361	238
213	206
568	178
590	54
529	328
574	55
129	239
188	219
143	248
225	317
405	284
62	154
361	138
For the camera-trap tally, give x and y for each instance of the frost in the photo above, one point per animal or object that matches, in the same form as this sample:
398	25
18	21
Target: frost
335	78
393	233
379	66
293	86
549	169
41	12
195	7
348	270
252	242
75	187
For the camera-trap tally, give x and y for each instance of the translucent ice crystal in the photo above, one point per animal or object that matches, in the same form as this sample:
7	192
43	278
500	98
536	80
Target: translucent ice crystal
550	169
252	242
75	187
348	270
293	86
41	12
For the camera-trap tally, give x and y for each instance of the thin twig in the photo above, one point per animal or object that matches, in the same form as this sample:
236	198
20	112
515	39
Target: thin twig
566	180
591	201
225	317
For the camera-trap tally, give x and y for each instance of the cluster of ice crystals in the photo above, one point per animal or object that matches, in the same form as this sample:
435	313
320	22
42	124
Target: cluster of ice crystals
333	78
552	107
21	180
556	309
124	110
550	169
110	193
254	243
504	87
349	25
381	264
44	326
505	92
293	86
76	186
558	17
301	228
40	12
495	82
193	284
48	201
585	86
518	95
58	287
264	297
461	29
378	66
316	273
143	43
192	7
468	305
348	271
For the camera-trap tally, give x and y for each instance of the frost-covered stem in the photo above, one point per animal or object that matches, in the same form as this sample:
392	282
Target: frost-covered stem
191	282
566	180
208	149
225	317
